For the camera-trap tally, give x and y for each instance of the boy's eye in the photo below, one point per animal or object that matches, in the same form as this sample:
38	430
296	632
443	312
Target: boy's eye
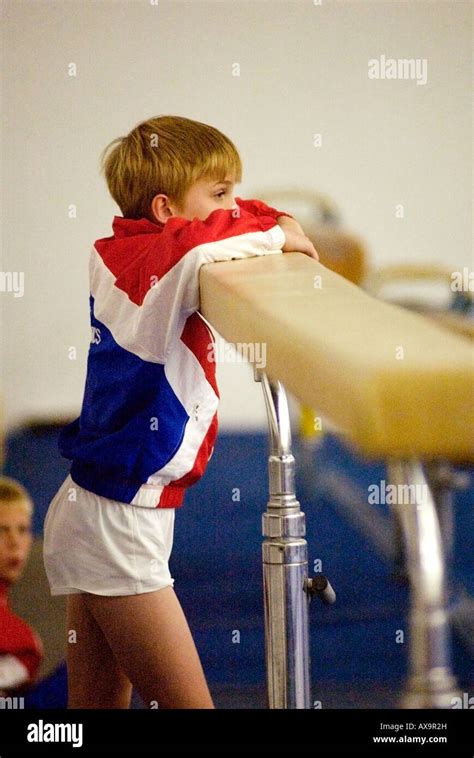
220	194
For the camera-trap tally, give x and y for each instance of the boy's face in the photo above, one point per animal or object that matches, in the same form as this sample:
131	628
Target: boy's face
15	541
201	199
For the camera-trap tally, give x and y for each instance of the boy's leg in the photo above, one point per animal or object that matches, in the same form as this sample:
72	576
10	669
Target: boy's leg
151	639
95	679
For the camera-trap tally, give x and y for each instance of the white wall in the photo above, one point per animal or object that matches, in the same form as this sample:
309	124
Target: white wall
304	70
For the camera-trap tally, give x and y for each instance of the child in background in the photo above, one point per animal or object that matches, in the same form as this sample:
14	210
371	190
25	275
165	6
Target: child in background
148	421
21	650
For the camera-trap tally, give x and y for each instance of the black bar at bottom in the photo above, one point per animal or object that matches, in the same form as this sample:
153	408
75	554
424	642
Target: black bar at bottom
155	732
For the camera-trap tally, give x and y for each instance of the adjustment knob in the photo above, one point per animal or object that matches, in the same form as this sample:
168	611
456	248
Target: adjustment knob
319	585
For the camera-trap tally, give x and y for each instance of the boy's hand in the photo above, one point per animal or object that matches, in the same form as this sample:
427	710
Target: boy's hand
296	240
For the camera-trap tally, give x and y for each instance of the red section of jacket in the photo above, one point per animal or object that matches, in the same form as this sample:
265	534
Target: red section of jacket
18	639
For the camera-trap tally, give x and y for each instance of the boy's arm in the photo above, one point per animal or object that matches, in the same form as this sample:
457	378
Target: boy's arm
259	208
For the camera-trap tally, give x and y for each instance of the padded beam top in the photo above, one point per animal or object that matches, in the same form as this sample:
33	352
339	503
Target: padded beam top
393	382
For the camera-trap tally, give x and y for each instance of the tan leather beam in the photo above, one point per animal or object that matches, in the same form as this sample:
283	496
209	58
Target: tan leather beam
393	382
456	322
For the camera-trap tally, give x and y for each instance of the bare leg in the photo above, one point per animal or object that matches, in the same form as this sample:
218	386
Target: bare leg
151	640
95	679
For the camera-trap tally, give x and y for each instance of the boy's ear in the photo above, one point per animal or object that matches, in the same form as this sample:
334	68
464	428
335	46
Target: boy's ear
160	209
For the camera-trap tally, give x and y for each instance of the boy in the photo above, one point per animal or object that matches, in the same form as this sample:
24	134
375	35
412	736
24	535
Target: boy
21	649
149	416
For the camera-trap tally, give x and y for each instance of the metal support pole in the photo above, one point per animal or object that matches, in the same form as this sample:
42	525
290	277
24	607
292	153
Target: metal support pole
285	565
431	683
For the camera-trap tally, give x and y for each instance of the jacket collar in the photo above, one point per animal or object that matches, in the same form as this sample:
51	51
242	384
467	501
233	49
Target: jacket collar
128	227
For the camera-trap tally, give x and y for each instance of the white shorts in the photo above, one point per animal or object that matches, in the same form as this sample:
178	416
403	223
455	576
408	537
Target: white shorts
93	544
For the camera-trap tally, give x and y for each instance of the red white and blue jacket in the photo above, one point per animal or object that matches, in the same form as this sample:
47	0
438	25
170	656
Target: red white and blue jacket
148	421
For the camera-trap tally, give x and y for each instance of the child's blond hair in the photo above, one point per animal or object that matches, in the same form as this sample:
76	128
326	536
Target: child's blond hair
165	154
13	493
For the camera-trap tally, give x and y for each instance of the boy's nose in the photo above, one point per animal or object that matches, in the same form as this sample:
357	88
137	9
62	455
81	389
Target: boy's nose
13	540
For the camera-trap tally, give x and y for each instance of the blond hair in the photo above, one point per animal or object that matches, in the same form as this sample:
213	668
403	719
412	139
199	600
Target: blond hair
12	492
165	154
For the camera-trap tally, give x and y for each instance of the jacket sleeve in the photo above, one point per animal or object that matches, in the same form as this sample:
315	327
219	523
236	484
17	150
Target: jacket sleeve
147	304
259	208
